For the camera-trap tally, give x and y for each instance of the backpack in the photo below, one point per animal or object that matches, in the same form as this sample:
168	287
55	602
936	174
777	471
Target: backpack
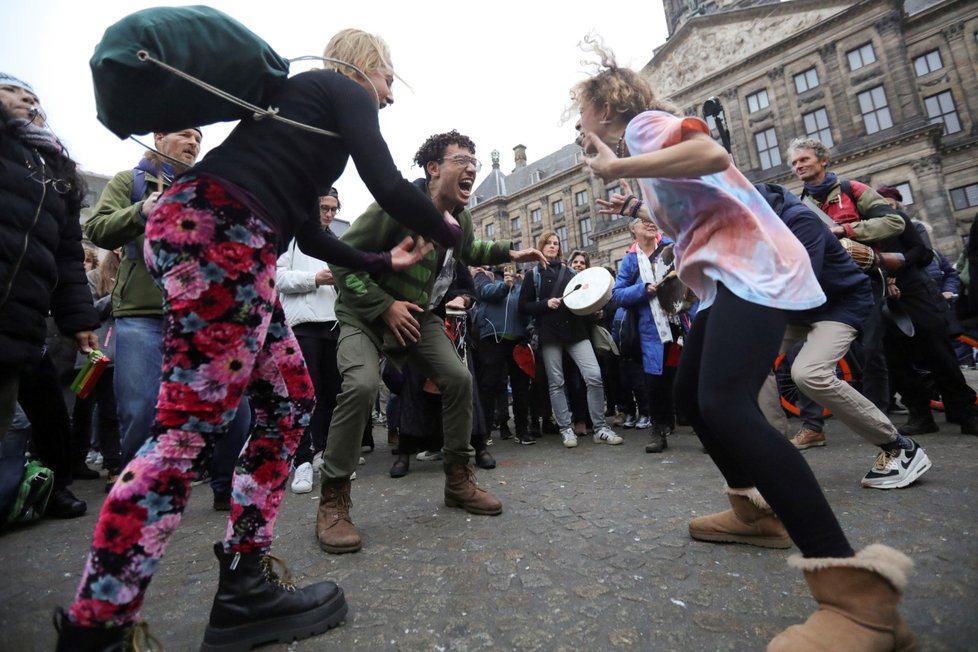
138	92
32	496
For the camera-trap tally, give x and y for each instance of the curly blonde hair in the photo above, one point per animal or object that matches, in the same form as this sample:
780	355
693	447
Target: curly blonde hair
623	89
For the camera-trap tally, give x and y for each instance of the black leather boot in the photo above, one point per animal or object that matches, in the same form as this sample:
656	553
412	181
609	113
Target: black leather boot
920	422
74	638
401	465
254	606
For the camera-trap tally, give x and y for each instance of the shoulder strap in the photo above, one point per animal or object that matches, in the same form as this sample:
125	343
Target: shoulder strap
846	187
138	184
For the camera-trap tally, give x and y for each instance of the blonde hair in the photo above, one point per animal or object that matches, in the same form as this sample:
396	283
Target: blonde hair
623	89
366	51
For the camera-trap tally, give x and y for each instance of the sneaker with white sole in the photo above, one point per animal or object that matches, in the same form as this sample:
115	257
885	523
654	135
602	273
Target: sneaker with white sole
429	456
570	439
607	436
643	423
302	480
317	462
629	421
897	469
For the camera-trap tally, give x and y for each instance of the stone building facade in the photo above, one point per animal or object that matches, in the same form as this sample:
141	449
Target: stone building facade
890	85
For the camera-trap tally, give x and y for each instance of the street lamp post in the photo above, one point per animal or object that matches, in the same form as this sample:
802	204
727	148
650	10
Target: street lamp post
713	109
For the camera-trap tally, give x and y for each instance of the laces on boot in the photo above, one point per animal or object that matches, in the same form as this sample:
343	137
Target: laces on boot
268	563
143	640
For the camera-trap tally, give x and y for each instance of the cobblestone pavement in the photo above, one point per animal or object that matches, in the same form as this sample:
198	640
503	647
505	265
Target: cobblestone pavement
590	553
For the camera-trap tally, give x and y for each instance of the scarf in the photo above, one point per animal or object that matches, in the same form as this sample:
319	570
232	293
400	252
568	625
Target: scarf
653	274
821	190
40	138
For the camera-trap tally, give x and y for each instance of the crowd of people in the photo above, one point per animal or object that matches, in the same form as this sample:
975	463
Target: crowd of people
249	343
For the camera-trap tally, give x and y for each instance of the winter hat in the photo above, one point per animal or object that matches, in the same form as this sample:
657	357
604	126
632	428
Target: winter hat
890	192
7	79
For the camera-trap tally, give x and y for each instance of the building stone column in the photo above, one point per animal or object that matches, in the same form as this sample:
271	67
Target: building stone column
932	195
901	89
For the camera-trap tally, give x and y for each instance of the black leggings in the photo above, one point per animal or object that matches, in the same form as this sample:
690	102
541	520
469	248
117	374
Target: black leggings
727	356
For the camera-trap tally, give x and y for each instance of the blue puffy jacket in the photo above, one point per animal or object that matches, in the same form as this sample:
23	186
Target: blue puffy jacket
629	293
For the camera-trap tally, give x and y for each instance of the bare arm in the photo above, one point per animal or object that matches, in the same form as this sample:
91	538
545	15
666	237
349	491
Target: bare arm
696	156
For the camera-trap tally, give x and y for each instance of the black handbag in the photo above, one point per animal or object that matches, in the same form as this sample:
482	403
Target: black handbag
629	336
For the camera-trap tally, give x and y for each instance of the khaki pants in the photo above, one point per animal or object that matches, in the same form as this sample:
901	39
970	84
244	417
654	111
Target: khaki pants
358	361
813	371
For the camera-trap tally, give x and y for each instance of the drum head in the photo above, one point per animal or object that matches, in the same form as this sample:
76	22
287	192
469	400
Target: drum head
589	291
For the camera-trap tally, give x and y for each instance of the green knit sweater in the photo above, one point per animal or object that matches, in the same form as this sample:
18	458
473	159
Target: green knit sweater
363	298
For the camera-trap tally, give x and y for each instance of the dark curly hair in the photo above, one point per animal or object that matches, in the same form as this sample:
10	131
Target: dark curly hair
434	148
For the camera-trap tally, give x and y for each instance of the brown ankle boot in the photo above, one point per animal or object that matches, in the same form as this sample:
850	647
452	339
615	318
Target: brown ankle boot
857	604
334	529
462	491
750	521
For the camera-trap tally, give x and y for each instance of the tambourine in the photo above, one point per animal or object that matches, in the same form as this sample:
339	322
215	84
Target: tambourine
589	291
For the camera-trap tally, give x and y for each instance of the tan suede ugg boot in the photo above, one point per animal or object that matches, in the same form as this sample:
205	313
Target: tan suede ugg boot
750	521
857	604
462	491
334	529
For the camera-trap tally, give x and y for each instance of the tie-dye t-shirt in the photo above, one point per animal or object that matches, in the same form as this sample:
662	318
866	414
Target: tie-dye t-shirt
723	228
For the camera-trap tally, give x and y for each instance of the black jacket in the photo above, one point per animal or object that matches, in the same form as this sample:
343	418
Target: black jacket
41	258
557	326
849	297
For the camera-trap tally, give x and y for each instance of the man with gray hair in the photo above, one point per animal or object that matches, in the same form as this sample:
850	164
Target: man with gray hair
861	215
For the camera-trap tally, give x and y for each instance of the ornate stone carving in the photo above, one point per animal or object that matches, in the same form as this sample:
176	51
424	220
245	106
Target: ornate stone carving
775	73
717	47
890	22
953	31
813	96
926	165
827	51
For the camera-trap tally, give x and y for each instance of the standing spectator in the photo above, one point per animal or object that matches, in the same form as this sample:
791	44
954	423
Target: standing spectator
119	221
561	330
501	327
307	292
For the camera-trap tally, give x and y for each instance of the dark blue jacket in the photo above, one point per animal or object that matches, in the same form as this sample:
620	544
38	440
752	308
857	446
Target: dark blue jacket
629	294
499	313
848	291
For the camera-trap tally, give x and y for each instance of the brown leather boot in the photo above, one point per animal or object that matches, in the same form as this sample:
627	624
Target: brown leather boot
334	529
751	521
857	604
462	491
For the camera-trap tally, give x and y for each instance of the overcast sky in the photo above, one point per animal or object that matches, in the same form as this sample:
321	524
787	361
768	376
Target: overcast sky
497	71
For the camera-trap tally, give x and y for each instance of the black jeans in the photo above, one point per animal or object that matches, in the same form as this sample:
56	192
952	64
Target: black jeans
633	394
728	354
41	398
320	356
106	426
496	363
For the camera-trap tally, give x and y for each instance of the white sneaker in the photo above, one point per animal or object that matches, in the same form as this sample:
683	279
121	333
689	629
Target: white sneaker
362	461
643	423
302	481
607	436
428	456
570	439
897	469
353	476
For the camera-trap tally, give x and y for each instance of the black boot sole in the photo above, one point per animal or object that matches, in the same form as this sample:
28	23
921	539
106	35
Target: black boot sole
282	629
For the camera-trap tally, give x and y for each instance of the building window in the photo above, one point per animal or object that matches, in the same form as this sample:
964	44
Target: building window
515	225
580	198
964	197
757	101
585	225
490	231
817	126
861	56
561	232
905	192
767	148
806	81
876	112
557	207
517	245
940	108
928	63
535	215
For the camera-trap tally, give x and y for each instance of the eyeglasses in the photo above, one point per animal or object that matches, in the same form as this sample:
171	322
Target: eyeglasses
464	161
329	209
60	186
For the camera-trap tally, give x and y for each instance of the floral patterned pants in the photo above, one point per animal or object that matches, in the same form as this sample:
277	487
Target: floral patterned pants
225	334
